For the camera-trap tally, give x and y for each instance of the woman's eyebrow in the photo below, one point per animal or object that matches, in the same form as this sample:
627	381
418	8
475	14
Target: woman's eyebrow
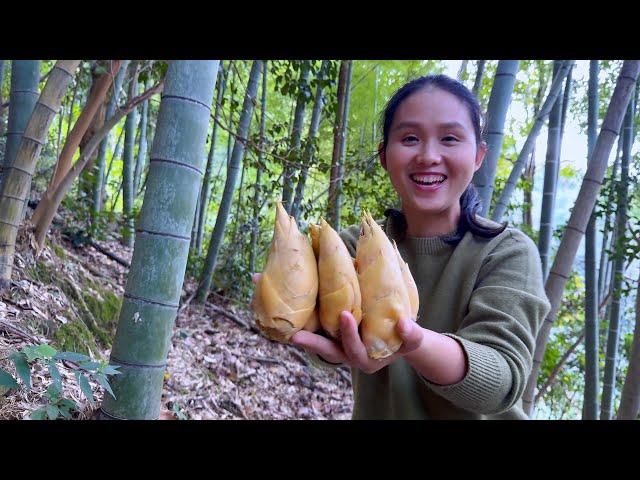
407	124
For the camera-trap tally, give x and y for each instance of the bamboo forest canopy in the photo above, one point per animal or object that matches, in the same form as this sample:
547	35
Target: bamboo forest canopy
97	153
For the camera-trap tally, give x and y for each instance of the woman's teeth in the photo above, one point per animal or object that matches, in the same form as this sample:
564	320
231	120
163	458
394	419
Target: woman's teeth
428	179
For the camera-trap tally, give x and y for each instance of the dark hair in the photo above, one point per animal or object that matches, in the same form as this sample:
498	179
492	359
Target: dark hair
470	203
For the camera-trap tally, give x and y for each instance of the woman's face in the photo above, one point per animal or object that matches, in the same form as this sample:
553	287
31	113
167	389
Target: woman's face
431	156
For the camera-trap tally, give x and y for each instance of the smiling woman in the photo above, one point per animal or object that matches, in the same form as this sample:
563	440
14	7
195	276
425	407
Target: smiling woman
481	295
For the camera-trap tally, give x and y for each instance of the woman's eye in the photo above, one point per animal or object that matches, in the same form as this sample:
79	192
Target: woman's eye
450	138
410	138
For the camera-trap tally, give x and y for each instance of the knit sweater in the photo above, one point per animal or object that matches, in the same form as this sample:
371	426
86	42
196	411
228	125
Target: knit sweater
487	294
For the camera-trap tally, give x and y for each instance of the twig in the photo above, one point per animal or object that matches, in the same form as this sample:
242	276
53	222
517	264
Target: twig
226	314
264	359
9	328
186	303
112	256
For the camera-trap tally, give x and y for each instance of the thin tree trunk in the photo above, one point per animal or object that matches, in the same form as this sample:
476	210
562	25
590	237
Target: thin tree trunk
128	161
339	137
550	175
499	102
611	357
17	182
630	398
510	185
605	262
288	178
73	139
142	144
206	184
100	177
65	184
309	148
155	279
2	129
580	214
25	76
232	177
117	151
462	70
258	185
591	347
478	81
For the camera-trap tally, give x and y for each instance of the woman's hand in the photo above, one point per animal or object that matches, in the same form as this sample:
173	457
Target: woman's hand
351	350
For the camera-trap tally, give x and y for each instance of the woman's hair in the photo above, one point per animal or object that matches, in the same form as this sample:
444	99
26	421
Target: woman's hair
469	201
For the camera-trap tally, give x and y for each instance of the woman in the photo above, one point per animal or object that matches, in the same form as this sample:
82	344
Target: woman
482	297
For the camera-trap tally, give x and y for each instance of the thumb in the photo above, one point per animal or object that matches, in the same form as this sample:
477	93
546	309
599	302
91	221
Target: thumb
410	333
255	277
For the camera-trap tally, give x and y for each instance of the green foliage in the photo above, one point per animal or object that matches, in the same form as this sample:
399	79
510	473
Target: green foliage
82	366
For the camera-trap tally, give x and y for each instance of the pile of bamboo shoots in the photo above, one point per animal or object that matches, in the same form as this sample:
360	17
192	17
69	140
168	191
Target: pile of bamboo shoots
306	284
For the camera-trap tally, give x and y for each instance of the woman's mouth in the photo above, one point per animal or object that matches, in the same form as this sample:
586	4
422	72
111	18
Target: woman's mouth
428	181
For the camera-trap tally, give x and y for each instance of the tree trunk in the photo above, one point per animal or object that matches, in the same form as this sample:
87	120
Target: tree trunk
462	70
128	162
499	102
339	137
141	159
25	76
580	214
258	185
100	177
591	347
155	279
309	148
2	129
73	139
510	185
65	184
17	182
206	184
630	398
611	358
605	262
550	177
478	81
230	184
288	177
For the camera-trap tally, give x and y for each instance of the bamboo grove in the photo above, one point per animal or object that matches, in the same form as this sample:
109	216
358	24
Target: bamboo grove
183	161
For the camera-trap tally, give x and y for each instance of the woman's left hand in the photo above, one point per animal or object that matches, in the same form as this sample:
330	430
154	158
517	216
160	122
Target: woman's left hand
353	352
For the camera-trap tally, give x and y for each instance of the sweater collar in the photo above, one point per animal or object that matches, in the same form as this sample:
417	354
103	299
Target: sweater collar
419	245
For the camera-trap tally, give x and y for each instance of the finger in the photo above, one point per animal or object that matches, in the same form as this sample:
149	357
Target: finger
255	277
319	345
350	338
410	333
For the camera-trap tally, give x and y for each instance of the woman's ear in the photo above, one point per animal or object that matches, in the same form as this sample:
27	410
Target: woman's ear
480	154
382	155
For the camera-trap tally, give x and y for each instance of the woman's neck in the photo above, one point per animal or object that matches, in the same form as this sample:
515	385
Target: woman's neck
423	225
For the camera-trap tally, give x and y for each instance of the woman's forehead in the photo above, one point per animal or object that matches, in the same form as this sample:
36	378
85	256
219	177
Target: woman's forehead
433	103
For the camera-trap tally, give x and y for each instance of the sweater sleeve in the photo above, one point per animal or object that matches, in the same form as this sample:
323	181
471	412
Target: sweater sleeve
498	333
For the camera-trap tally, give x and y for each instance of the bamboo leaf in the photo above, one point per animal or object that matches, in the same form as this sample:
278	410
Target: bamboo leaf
7	380
55	375
102	380
38	414
52	412
45	351
71	356
22	368
85	387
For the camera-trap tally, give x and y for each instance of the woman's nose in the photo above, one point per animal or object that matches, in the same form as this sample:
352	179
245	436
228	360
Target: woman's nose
429	154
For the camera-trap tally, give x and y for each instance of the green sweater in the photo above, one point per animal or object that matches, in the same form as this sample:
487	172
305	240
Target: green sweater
488	294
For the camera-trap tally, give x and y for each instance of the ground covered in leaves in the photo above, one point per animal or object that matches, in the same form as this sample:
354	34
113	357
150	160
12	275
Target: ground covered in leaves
219	366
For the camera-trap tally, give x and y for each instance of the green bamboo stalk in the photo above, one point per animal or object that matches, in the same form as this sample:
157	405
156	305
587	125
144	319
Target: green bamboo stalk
158	265
258	186
499	102
478	81
611	357
550	176
100	177
630	397
128	161
2	65
17	183
288	177
205	193
510	185
142	144
591	347
237	157
310	149
563	262
25	76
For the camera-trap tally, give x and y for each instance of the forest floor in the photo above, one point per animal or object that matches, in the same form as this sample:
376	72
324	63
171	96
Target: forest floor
219	367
